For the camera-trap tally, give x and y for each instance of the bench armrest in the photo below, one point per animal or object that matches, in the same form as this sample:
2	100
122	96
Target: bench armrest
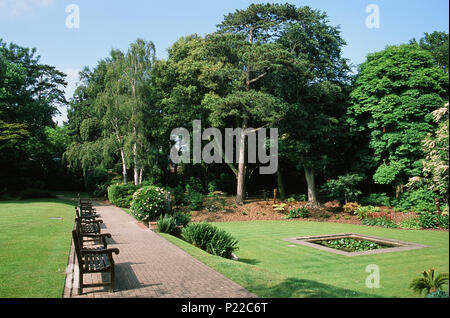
108	251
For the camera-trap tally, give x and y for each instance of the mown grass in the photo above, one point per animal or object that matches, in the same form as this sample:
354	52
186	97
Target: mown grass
268	267
34	248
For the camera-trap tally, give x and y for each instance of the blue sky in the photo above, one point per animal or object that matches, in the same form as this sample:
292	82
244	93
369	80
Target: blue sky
115	24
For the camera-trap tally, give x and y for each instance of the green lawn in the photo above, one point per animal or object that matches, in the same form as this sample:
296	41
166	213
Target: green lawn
34	248
269	268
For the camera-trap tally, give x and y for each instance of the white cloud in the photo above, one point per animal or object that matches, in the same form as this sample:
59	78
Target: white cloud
18	7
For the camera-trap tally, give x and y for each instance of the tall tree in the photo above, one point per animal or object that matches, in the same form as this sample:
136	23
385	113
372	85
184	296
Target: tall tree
395	93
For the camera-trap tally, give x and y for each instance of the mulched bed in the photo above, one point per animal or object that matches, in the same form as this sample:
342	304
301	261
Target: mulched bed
256	209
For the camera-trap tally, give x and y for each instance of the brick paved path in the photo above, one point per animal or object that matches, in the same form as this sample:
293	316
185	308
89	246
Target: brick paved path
149	266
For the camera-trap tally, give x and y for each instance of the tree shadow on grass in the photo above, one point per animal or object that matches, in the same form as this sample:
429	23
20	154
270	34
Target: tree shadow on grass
303	288
249	261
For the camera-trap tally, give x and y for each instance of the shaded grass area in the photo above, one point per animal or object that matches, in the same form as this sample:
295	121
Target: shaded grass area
35	240
268	267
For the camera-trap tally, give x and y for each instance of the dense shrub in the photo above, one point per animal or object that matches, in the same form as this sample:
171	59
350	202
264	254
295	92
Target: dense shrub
181	218
210	239
343	188
298	213
149	203
363	211
195	200
428	220
178	195
380	221
443	221
121	195
167	224
194	185
411	223
350	207
420	200
377	199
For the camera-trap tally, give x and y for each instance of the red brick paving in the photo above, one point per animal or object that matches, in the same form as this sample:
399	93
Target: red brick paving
149	266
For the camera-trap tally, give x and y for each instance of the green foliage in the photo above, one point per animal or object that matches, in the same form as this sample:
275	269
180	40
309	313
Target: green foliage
377	199
428	220
178	194
430	282
343	188
214	202
97	182
279	207
411	223
182	219
121	195
149	203
443	221
350	244
351	207
210	239
364	211
298	213
167	224
388	173
420	200
394	93
195	200
380	221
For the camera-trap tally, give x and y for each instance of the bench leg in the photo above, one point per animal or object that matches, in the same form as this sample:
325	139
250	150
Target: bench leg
80	287
111	281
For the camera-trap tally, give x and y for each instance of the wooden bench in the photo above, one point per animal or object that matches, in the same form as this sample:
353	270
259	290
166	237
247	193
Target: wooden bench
86	214
88	226
93	259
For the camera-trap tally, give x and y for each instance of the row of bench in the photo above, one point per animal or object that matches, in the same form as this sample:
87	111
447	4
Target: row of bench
91	248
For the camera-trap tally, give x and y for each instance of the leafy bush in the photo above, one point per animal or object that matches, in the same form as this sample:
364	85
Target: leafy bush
380	199
279	207
380	221
195	200
210	239
181	218
178	194
350	207
412	223
443	221
428	220
194	185
342	188
298	213
167	224
420	200
213	202
149	203
332	206
121	195
363	211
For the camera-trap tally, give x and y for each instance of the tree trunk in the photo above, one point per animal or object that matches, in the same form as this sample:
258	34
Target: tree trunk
136	169
281	192
141	175
124	166
240	193
312	198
